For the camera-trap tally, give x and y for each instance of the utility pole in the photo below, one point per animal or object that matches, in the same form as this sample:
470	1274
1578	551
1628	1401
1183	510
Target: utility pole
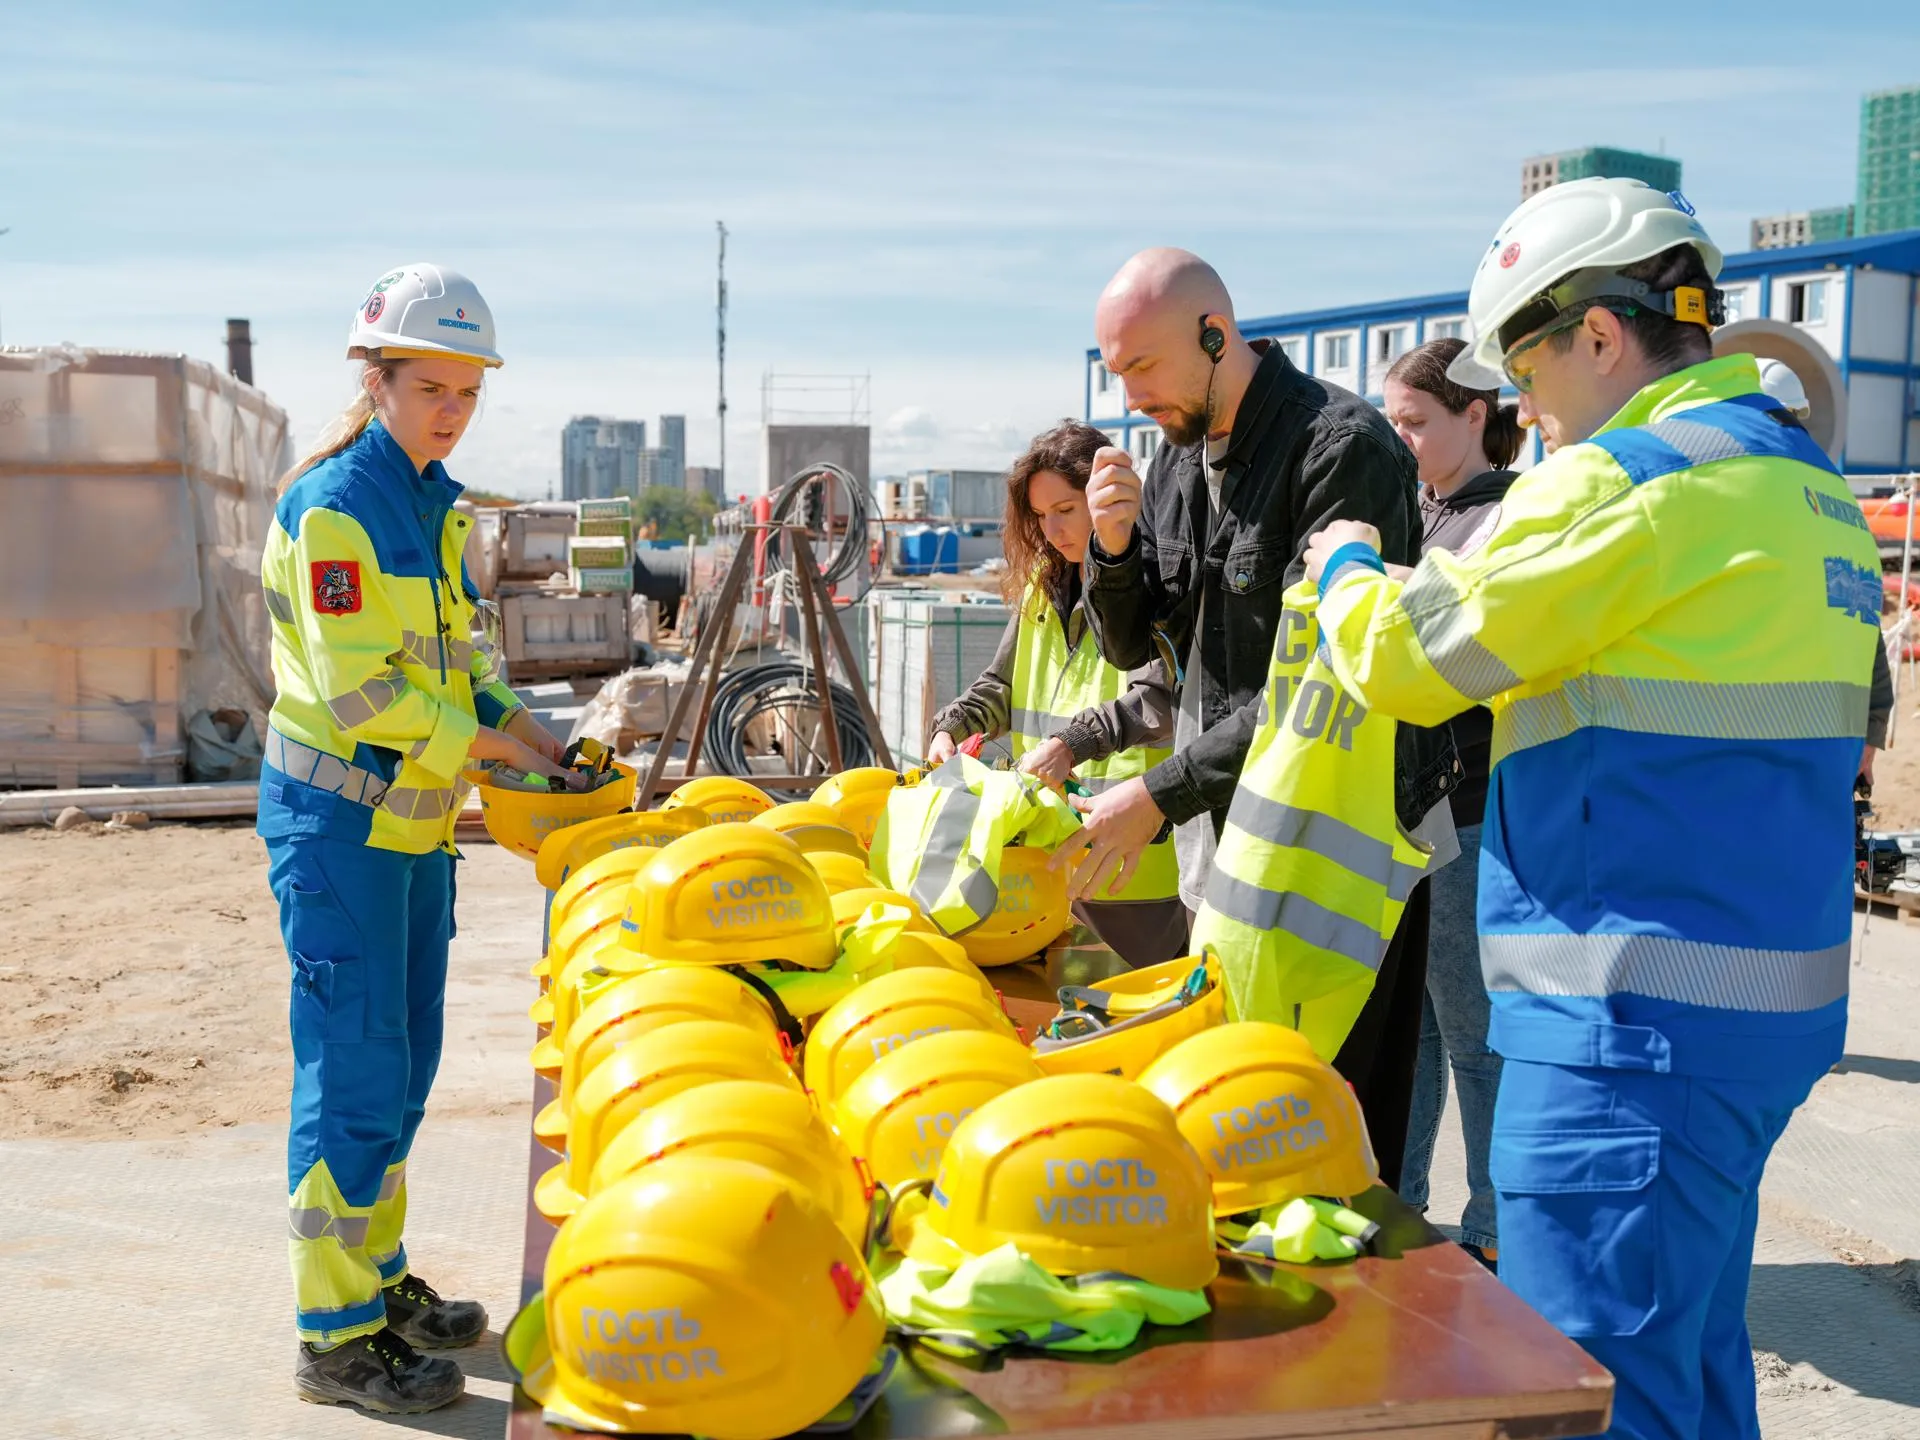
720	338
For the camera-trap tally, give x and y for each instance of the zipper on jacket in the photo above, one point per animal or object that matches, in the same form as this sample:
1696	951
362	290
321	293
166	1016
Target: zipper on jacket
436	525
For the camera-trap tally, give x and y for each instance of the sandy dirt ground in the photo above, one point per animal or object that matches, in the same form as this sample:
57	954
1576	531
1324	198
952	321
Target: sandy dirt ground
143	986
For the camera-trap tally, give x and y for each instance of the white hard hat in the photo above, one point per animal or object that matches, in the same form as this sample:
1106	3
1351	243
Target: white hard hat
1565	245
1779	382
423	310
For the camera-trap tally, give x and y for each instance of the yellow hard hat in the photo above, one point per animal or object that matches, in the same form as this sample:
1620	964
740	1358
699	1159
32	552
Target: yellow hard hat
850	905
804	819
1032	911
728	895
631	1006
858	796
840	871
771	1125
565	851
582	976
701	1296
888	1012
592	926
900	1113
1085	1173
1270	1119
918	948
1120	1026
609	874
638	1076
521	820
725	799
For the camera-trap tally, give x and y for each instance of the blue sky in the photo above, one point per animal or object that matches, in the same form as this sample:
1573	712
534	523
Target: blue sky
930	193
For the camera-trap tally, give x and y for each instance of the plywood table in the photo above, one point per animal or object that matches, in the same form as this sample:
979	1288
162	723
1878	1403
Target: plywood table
1416	1340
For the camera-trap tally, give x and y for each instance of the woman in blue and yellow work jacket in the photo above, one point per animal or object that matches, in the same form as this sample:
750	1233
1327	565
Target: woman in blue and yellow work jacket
383	700
1062	708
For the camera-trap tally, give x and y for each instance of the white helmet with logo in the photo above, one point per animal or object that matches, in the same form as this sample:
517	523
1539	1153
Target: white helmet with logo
421	311
1567	245
1778	381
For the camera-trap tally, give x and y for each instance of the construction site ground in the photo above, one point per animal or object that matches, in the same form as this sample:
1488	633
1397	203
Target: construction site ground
143	1081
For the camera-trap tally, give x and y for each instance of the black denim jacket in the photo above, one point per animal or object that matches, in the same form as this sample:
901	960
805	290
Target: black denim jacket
1303	453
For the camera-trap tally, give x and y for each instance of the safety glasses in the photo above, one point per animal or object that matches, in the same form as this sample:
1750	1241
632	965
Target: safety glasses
1521	375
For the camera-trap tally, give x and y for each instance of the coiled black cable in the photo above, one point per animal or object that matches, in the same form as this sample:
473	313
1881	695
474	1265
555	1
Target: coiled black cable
803	500
753	691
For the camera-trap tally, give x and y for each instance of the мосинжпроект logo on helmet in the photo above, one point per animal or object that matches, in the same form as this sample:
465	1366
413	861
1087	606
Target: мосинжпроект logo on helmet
459	322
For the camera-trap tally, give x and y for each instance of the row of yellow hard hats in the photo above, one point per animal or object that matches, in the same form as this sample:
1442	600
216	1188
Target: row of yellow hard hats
659	1283
894	1098
565	836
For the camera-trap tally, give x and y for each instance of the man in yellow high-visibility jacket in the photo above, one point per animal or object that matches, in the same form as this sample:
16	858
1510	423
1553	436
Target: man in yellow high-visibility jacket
1674	622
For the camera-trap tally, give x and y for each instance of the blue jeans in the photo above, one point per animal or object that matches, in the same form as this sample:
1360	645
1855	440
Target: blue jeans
1453	1027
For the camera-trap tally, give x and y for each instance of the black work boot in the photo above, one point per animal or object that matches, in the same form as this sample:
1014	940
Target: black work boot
377	1372
420	1317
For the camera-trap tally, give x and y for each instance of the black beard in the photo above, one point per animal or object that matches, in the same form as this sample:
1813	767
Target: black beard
1185	427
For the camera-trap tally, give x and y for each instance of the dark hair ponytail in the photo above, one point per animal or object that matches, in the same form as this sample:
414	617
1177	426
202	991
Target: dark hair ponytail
1425	369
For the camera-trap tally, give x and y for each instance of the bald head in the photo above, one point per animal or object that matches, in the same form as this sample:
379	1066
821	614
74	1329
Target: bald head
1148	324
1162	280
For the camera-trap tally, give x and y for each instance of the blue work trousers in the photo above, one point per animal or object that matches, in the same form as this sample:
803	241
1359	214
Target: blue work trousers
366	931
1628	1201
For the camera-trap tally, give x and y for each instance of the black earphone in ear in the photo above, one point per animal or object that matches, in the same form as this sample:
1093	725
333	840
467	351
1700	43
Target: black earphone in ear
1213	340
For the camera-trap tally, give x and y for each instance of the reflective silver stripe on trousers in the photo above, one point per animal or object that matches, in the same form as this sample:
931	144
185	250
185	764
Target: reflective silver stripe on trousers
278	605
323	771
1336	840
1780	710
317	1224
391	1182
1692	972
952	827
1294	914
1436	611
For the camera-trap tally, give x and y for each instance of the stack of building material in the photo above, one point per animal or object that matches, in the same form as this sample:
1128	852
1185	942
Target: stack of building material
137	491
924	649
563	595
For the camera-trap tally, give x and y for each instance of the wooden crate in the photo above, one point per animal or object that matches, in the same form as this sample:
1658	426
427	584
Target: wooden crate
547	635
89	715
536	544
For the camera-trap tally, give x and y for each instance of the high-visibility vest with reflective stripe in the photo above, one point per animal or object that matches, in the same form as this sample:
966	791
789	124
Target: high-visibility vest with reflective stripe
1674	623
380	688
1312	870
940	841
1054	680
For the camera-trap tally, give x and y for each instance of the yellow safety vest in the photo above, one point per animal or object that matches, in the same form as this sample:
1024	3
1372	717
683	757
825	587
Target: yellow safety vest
1055	678
940	841
1313	869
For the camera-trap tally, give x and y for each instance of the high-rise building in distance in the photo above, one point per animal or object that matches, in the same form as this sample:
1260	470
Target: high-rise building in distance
1538	172
600	458
1889	195
672	466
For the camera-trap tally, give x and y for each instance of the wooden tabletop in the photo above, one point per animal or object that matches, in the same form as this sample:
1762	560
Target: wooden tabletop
1414	1340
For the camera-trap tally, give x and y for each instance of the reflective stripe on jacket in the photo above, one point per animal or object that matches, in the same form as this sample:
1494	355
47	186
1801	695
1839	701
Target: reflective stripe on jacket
1312	870
380	687
1056	678
940	841
1674	624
